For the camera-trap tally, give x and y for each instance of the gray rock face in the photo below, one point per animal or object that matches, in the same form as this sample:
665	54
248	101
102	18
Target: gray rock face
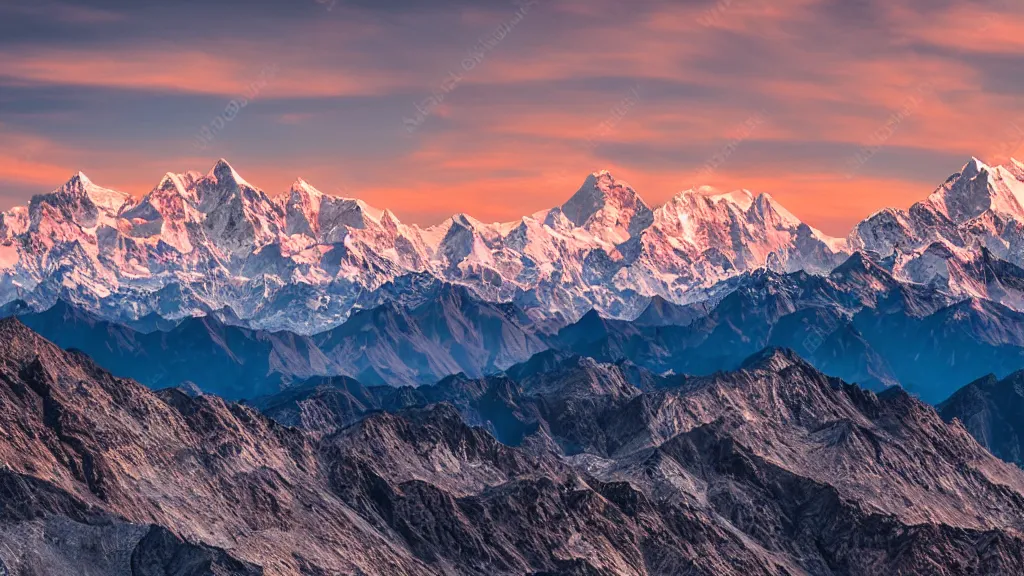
771	469
46	531
205	470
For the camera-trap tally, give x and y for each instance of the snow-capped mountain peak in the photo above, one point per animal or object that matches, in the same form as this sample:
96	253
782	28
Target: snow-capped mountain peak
742	199
936	241
973	167
104	198
766	205
179	184
388	218
302	208
374	214
200	242
979	188
79	203
79	178
331	219
609	209
743	230
223	171
300	186
239	216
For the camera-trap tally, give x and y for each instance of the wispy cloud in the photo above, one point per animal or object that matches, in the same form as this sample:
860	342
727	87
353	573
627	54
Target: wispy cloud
119	80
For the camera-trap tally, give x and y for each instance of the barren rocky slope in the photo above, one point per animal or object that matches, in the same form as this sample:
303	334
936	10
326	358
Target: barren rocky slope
773	469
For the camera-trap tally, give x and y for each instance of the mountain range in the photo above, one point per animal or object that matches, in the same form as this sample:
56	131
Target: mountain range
449	333
303	261
261	292
606	469
857	323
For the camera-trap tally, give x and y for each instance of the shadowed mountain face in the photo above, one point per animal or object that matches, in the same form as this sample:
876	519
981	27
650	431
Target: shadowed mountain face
448	333
992	410
553	394
219	358
771	469
858	323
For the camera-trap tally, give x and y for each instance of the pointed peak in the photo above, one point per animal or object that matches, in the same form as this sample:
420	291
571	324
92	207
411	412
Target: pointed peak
591	316
173	182
369	211
80	187
222	171
887	213
764	203
13	326
602	181
974	166
662	312
859	262
601	192
77	182
976	189
773	359
464	220
21	341
388	218
303	187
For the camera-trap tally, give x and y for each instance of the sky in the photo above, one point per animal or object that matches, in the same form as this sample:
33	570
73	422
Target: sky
499	109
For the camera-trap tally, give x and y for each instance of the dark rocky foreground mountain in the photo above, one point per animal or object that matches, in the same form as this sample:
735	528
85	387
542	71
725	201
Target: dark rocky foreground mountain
772	469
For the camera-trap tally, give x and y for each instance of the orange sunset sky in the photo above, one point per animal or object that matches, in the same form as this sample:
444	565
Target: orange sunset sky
499	109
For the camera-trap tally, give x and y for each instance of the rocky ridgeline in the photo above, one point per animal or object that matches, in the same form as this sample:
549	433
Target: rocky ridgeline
603	469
